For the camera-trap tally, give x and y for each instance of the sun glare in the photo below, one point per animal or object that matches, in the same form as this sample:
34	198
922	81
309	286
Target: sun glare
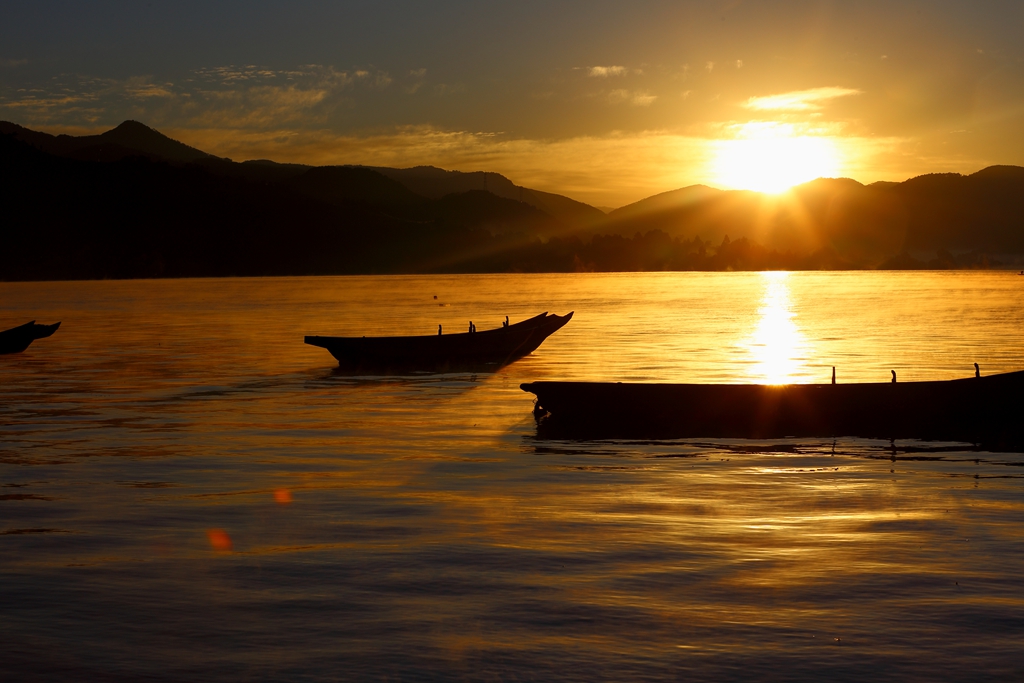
771	158
777	347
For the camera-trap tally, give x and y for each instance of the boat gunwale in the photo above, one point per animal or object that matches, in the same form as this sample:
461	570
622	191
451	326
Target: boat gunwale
521	326
581	384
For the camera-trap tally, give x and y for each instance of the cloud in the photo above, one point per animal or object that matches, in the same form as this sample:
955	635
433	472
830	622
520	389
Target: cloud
445	89
142	87
618	96
637	98
308	75
799	100
246	96
606	71
231	74
642	98
11	63
257	107
62	99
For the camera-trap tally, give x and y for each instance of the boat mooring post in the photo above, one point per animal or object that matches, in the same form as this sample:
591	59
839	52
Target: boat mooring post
893	376
833	374
977	370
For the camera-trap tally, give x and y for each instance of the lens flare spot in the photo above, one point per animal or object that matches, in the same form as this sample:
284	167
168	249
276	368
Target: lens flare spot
283	496
219	540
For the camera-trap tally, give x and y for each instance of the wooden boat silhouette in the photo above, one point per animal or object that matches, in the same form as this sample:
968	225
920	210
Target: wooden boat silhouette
17	339
977	409
487	350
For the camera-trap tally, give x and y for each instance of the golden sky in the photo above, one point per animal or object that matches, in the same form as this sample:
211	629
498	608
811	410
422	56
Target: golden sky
607	102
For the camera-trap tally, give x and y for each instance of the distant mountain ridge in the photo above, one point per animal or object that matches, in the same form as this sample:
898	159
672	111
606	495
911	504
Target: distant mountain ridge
435	183
130	138
132	202
867	225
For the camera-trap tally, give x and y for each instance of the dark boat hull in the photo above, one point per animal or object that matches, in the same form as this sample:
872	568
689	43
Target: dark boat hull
484	351
985	409
17	339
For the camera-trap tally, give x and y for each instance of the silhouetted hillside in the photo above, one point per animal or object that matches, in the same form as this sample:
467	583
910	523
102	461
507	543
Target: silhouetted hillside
131	138
435	183
497	215
346	184
659	203
982	211
134	203
866	225
70	219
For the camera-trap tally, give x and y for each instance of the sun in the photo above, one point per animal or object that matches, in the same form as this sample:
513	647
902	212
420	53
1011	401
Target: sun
773	158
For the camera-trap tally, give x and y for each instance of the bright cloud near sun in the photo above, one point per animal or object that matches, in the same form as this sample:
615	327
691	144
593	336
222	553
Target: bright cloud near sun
799	100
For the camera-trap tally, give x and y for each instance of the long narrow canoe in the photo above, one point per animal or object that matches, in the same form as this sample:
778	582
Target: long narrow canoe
486	350
978	409
17	339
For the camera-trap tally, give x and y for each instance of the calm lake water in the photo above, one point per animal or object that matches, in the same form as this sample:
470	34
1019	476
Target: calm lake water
187	491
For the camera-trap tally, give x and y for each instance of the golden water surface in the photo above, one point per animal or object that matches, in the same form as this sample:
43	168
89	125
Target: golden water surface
188	492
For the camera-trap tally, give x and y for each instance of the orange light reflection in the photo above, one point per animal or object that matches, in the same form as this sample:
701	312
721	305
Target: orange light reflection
777	347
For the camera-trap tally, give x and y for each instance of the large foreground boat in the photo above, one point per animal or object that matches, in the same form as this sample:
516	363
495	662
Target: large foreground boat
977	409
487	350
17	339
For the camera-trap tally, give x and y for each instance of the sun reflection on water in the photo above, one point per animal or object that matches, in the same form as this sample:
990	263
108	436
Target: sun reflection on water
778	349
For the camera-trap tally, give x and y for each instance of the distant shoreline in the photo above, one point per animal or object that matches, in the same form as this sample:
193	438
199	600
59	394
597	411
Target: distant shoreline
999	269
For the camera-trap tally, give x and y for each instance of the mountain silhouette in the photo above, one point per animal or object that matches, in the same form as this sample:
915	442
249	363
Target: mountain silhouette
344	184
435	183
866	224
132	202
131	138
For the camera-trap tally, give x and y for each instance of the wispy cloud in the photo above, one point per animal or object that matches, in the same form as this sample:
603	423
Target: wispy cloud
257	107
308	75
246	96
142	87
799	100
606	71
637	98
642	98
416	75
